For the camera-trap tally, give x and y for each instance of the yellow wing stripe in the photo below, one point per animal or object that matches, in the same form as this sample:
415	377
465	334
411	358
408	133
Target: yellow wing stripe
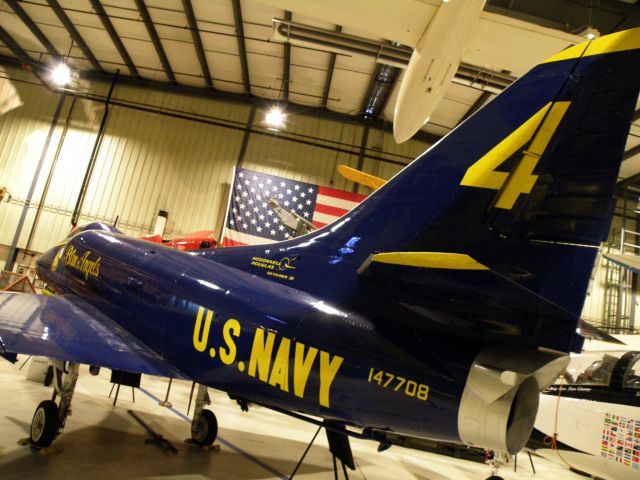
614	42
444	260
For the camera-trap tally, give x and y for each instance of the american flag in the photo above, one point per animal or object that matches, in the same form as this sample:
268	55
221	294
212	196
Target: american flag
250	220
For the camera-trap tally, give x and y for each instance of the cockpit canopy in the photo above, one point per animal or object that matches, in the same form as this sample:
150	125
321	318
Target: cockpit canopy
93	226
607	369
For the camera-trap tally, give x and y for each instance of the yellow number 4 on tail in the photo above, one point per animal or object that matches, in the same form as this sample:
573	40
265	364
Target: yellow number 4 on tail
483	173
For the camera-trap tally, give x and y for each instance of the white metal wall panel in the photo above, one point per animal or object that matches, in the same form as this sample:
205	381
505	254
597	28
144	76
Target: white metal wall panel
149	163
307	163
146	162
22	135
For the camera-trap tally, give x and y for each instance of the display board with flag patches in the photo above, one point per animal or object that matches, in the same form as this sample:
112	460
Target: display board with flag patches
251	221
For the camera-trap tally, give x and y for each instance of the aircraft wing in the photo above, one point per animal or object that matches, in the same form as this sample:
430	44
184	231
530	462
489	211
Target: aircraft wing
68	328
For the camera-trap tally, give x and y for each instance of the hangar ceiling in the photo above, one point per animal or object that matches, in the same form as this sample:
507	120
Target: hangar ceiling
226	49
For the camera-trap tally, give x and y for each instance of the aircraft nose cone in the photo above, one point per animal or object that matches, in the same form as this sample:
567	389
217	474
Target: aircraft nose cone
48	261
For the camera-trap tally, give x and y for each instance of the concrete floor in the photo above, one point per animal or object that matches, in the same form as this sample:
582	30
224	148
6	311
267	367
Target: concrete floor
102	441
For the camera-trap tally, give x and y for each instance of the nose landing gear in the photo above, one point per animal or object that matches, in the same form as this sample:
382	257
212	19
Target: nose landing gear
49	418
204	426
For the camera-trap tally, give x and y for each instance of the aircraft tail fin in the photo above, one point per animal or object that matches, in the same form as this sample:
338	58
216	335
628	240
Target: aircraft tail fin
523	187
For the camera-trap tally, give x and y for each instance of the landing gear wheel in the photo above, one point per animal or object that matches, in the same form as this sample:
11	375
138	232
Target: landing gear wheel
204	428
495	477
44	425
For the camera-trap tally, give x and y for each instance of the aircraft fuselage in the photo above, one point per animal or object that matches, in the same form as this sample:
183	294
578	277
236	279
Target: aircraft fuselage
264	341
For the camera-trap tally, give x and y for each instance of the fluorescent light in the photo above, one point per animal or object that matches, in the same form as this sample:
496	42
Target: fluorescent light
61	75
275	118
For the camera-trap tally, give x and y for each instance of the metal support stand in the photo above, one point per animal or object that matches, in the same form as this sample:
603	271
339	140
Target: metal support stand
335	463
115	399
531	461
166	402
193	386
335	469
305	453
25	362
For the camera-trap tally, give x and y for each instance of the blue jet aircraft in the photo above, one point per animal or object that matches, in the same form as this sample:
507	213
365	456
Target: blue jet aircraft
439	307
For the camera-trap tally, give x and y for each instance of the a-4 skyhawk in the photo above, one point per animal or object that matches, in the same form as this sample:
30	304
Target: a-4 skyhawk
439	307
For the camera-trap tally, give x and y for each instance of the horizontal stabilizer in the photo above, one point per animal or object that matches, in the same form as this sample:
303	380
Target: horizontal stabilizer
450	261
68	328
625	260
594	333
445	291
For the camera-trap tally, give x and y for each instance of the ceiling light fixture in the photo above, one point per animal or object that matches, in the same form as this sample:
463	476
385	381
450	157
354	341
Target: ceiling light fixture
61	75
589	32
275	118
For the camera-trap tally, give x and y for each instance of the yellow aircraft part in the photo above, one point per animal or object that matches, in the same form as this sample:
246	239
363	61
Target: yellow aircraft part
445	260
360	177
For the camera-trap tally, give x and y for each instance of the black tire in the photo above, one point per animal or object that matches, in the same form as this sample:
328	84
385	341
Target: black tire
204	430
495	477
44	425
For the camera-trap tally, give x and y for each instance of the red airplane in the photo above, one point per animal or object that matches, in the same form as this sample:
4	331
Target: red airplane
192	241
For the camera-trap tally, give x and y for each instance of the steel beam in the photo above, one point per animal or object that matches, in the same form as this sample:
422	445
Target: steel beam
633	179
155	39
73	32
286	63
292	108
94	155
26	19
331	68
197	42
361	155
632	152
13	250
242	48
24	57
115	38
14	47
477	105
245	137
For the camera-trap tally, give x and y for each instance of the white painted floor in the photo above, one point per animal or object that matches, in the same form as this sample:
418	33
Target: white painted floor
104	442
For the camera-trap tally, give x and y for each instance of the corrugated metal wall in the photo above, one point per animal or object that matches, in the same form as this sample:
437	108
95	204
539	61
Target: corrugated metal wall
147	162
